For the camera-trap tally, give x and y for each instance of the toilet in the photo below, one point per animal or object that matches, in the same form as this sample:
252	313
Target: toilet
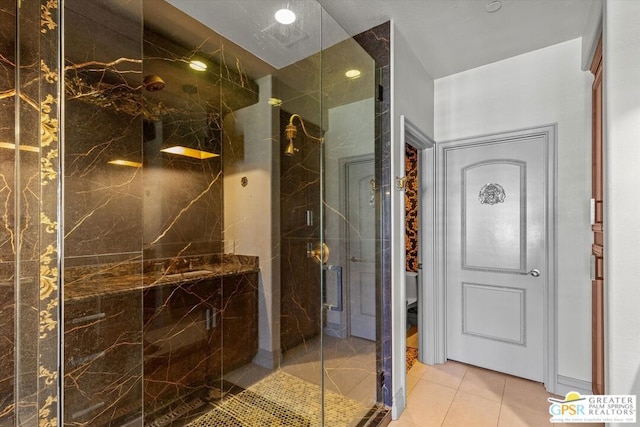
411	285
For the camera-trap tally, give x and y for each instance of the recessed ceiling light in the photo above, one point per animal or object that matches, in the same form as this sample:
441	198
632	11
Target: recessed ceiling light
285	16
494	6
352	74
198	65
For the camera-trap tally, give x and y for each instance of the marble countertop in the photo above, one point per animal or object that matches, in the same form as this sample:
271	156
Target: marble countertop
105	280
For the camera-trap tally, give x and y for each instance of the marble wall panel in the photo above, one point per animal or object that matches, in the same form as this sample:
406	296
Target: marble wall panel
103	208
7	201
300	298
377	42
103	123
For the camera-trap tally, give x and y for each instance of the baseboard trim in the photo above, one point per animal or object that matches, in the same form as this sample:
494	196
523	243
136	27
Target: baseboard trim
398	404
268	359
567	384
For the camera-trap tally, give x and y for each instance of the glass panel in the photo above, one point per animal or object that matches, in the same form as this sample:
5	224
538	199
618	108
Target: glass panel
7	195
32	248
209	154
103	188
349	229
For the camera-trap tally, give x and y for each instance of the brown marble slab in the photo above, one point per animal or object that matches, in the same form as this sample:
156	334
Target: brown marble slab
103	280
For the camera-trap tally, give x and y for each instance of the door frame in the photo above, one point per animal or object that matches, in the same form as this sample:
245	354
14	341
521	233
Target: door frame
412	135
550	315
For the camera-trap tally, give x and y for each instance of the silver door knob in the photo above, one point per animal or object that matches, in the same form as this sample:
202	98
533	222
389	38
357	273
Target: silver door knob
535	273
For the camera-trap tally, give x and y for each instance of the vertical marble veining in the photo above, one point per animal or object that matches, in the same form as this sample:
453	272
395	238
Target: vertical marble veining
7	219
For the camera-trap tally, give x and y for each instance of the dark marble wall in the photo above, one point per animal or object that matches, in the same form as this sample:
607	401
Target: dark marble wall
103	213
156	213
300	290
7	201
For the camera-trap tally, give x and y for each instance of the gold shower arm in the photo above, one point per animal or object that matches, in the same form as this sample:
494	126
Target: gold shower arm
304	129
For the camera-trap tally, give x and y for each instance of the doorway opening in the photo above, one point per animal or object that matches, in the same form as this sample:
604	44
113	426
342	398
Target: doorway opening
420	253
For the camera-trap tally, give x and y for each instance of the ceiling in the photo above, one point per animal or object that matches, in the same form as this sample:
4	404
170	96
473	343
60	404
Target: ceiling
447	36
450	36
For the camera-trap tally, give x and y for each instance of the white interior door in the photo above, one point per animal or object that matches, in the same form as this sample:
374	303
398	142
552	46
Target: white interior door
360	202
495	205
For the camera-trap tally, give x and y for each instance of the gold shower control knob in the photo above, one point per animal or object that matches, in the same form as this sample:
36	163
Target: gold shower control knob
320	254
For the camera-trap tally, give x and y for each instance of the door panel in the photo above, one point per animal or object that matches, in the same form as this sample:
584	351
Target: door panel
597	301
495	233
501	227
361	254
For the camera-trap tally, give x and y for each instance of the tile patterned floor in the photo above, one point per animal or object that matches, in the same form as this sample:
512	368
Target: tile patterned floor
459	395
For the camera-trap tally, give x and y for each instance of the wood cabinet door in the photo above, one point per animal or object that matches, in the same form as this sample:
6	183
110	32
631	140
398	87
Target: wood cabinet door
597	248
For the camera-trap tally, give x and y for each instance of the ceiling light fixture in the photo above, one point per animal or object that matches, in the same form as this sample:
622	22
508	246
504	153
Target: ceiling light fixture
198	65
353	74
285	16
275	102
493	6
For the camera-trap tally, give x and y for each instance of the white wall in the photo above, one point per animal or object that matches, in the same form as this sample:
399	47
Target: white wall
251	213
412	92
539	88
621	56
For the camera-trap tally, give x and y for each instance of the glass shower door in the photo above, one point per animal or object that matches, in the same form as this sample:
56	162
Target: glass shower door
218	232
349	227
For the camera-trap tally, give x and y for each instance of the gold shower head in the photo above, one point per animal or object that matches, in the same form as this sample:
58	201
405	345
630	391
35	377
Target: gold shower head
291	131
290	150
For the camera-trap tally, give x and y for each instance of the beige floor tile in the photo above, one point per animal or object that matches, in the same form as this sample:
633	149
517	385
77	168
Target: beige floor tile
365	391
402	423
248	375
412	380
310	371
483	383
526	394
428	404
417	370
343	379
449	374
511	416
471	410
365	362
